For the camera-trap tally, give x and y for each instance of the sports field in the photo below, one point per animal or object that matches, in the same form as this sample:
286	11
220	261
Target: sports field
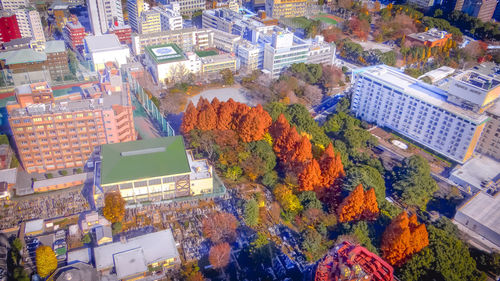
329	19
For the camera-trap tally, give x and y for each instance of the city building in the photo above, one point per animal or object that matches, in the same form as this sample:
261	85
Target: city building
5	156
169	63
153	170
105	48
188	7
480	173
251	56
92	220
489	142
226	41
78	271
103	14
431	38
133	258
135	8
59	182
34	227
188	39
217	63
53	134
16	44
286	8
8	182
123	32
9	30
61	13
170	16
245	24
149	22
103	234
14	4
74	33
481	9
422	4
321	52
24	66
438	74
30	25
353	262
421	112
480	216
233	5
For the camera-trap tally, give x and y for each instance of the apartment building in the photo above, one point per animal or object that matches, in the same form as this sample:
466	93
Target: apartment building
123	32
9	30
14	4
286	8
481	9
188	7
61	133
57	59
153	170
105	48
188	39
281	50
170	16
74	33
150	22
103	14
135	8
30	25
217	63
421	112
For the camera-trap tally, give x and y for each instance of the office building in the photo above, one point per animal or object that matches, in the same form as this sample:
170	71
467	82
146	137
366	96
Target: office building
135	8
188	39
105	48
9	30
103	14
14	4
251	56
30	25
245	25
123	32
489	142
149	22
321	52
215	64
426	114
431	38
188	7
152	170
286	8
226	41
481	9
480	215
74	33
57	59
170	16
168	63
61	133
131	259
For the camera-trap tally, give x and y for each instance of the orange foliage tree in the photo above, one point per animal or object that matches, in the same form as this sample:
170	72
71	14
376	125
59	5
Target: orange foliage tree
402	238
371	210
331	166
303	151
359	204
254	124
189	119
220	227
310	178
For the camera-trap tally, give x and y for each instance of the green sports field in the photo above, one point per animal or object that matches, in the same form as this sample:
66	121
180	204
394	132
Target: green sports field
327	20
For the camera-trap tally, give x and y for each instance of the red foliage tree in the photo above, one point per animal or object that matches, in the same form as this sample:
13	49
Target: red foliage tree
279	127
240	110
225	114
310	178
371	210
254	124
220	227
303	151
207	117
216	104
189	119
420	237
352	206
331	166
219	255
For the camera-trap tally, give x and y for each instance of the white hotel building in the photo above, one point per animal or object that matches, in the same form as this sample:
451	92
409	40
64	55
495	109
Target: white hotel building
421	112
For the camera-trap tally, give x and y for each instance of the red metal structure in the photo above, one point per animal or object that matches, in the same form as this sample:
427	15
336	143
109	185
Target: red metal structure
353	262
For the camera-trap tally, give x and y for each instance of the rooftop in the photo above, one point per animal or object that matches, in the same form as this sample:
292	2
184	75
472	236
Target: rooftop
75	272
9	175
22	56
130	263
217	58
485	209
165	53
440	73
418	89
481	81
143	159
33	226
79	255
55	46
478	171
157	246
101	43
431	35
59	180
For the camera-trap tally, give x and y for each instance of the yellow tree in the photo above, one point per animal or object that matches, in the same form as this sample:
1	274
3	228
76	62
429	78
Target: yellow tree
114	207
46	261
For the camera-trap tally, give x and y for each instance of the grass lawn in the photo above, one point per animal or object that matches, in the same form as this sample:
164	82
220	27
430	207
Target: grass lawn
300	22
327	20
209	53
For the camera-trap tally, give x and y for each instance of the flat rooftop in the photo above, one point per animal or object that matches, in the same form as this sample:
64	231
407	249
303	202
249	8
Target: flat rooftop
165	53
418	89
484	82
217	58
200	169
478	171
431	35
143	159
100	43
484	209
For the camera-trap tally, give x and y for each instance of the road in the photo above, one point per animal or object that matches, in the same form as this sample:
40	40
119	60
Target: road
326	108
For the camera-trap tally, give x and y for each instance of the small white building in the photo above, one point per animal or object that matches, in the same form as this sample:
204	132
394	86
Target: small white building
105	48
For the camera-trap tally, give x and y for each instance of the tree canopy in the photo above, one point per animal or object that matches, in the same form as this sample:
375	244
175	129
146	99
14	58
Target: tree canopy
114	207
46	261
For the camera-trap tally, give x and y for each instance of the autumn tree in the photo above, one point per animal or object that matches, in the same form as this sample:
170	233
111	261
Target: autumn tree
225	114
189	119
219	256
254	124
46	261
114	207
352	206
402	238
331	166
371	210
288	201
220	227
303	151
191	272
207	117
310	177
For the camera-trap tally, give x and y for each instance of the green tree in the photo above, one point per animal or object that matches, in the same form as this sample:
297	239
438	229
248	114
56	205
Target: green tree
438	13
116	227
368	177
361	232
227	76
309	200
314	245
20	274
73	62
86	239
251	213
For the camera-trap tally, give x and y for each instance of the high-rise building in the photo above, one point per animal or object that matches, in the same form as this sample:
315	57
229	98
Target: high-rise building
56	134
170	16
74	33
447	122
286	8
30	25
14	4
188	7
150	22
135	8
282	50
481	9
9	29
103	14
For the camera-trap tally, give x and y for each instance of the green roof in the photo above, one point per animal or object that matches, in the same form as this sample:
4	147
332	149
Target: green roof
165	53
22	56
208	53
143	159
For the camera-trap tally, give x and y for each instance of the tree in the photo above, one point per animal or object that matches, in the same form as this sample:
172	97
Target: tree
254	124
114	207
314	245
220	227
352	206
116	227
191	272
251	213
371	206
303	151
73	62
331	166
376	6
86	239
309	200
189	119
46	261
313	95
219	256
225	114
310	177
207	117
227	76
288	201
